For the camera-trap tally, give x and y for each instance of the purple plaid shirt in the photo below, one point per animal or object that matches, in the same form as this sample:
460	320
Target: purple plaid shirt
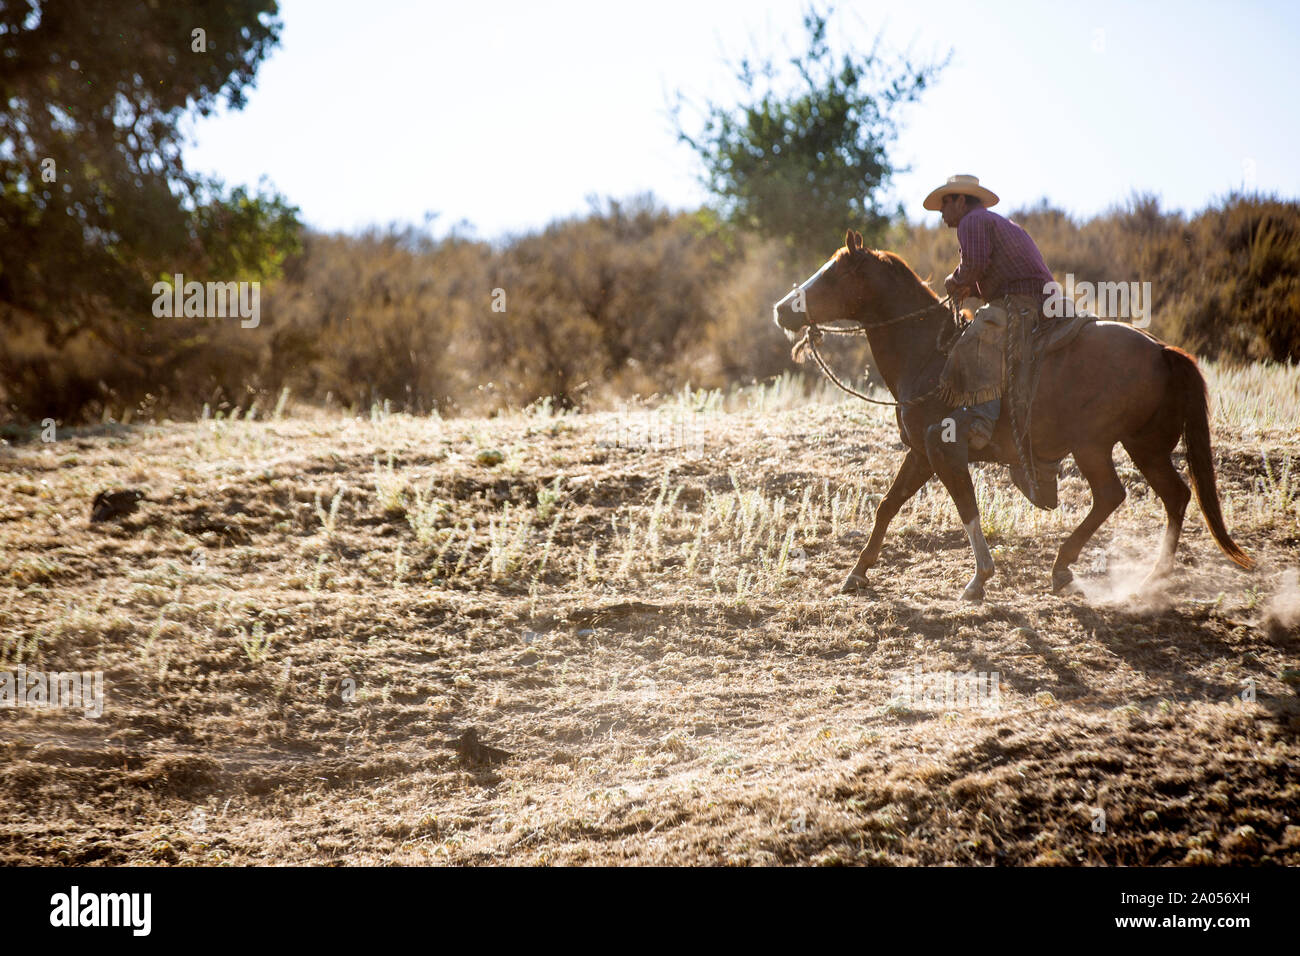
998	258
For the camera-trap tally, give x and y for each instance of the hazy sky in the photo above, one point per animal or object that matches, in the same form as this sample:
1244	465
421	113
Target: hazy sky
510	114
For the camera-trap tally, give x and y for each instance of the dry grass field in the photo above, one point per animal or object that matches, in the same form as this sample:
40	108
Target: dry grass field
310	607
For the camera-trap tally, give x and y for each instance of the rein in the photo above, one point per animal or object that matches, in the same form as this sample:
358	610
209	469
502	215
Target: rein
813	333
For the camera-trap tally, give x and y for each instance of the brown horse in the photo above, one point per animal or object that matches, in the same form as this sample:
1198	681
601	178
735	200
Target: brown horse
1114	383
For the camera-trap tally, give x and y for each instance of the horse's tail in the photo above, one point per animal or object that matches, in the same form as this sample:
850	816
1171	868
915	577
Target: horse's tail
1193	397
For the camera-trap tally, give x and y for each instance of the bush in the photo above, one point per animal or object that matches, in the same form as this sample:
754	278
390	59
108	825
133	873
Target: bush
629	299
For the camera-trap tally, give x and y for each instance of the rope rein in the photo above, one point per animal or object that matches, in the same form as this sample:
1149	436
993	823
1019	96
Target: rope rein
813	334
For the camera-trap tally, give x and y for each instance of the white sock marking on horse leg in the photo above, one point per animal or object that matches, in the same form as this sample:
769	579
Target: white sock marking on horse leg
983	560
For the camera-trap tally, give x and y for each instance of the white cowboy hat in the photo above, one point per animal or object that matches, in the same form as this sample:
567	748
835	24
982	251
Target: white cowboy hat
961	185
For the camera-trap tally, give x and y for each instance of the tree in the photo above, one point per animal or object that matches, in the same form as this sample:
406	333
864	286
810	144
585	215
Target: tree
95	201
800	166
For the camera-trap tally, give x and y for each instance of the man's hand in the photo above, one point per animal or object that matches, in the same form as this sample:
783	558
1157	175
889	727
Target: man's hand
957	292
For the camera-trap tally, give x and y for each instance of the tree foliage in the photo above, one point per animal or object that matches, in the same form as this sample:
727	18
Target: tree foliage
800	165
95	201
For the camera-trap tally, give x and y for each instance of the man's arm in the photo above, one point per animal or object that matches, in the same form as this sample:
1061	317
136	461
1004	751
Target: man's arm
973	238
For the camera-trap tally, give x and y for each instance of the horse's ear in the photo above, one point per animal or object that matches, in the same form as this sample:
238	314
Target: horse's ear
848	240
857	239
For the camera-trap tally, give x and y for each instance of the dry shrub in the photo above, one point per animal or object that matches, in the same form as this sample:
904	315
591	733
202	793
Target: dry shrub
630	299
382	316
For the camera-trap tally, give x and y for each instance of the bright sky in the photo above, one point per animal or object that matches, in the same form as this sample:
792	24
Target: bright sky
510	114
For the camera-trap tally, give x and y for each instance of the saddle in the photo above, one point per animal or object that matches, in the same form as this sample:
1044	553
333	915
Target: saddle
1028	339
1052	334
1034	475
1046	336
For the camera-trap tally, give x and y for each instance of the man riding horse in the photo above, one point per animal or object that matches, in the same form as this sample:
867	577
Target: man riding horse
1102	383
1000	264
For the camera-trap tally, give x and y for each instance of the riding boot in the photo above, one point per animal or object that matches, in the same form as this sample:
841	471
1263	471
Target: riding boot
980	420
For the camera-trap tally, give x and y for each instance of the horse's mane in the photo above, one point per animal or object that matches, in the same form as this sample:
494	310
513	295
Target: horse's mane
897	269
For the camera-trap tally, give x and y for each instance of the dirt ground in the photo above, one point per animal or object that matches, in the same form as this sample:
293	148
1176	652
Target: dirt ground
305	614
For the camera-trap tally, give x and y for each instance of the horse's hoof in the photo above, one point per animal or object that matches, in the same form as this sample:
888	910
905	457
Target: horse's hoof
853	584
974	591
1063	582
1157	580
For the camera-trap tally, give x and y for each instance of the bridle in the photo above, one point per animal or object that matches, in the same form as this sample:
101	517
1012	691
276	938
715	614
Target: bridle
814	332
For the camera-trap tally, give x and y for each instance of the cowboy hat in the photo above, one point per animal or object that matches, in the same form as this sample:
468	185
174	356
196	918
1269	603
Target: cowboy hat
961	185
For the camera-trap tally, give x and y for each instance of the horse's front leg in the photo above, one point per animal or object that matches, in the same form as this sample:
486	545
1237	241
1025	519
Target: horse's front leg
912	475
946	447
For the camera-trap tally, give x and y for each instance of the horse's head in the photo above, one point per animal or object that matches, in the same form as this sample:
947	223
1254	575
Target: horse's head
833	293
855	285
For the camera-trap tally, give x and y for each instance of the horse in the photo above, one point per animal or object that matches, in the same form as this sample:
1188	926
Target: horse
1113	383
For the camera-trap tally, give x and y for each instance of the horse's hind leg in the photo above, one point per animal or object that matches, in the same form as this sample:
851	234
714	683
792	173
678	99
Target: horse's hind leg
1152	459
1097	467
914	472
